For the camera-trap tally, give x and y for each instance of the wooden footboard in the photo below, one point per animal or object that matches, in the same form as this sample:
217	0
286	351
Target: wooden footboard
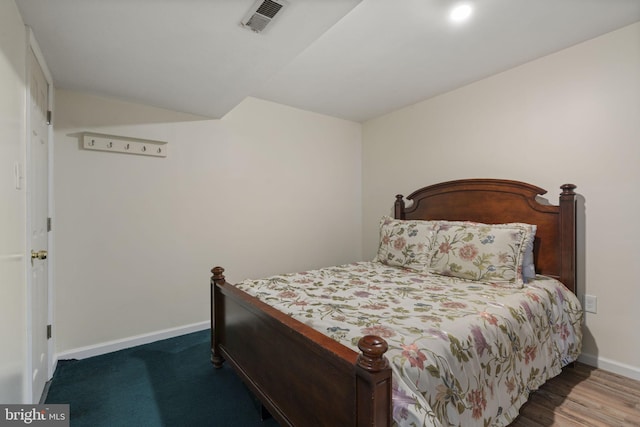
301	376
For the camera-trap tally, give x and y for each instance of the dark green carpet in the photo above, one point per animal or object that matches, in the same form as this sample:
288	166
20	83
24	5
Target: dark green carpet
165	383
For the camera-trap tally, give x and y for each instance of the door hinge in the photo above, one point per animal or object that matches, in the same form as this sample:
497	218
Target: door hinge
48	224
48	331
49	116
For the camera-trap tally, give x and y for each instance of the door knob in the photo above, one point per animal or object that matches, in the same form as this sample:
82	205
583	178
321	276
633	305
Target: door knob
39	254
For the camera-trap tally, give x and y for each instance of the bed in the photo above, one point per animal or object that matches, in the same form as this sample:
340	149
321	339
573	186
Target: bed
391	341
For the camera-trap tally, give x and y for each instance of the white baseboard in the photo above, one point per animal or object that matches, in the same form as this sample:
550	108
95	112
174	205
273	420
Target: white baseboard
628	371
110	346
625	370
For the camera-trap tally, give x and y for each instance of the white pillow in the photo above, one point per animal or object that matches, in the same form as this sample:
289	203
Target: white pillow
528	266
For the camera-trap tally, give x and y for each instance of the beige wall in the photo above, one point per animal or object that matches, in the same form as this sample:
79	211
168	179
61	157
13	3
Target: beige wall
268	189
573	116
136	236
13	285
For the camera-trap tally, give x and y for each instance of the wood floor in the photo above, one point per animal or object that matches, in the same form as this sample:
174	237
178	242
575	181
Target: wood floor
583	396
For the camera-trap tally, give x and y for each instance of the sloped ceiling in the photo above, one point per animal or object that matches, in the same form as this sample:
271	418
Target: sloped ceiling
345	58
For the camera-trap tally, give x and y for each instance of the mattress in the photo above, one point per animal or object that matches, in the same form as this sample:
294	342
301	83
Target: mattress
462	352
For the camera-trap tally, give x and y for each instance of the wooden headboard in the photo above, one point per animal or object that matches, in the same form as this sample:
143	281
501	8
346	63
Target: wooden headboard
495	201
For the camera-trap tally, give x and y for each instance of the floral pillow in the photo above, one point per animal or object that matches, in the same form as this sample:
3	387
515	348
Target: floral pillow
485	252
406	243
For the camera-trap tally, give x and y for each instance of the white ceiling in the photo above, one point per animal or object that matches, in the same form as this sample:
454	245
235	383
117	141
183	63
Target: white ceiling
346	58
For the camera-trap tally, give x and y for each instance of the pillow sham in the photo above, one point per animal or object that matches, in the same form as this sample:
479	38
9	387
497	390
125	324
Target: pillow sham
406	243
482	252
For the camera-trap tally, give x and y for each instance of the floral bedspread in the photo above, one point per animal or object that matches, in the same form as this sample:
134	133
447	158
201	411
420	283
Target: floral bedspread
462	352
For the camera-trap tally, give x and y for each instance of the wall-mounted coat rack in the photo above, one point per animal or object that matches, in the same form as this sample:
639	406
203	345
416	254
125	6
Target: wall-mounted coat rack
124	144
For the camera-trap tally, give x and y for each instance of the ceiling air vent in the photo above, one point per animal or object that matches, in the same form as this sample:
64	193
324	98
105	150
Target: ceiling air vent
262	13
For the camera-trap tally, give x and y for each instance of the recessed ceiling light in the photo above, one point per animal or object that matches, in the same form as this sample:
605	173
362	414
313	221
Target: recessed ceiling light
460	12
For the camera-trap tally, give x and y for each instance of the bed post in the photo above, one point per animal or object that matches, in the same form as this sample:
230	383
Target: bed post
373	383
217	315
398	207
568	236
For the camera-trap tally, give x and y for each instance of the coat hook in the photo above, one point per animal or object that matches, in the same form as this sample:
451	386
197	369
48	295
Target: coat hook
124	145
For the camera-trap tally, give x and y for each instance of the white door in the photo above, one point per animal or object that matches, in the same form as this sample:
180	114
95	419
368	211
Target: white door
38	197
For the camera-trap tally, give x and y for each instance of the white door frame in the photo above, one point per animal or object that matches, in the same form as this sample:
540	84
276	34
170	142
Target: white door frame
32	45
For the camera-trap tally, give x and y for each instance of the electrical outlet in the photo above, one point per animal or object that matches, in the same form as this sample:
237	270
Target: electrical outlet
590	304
